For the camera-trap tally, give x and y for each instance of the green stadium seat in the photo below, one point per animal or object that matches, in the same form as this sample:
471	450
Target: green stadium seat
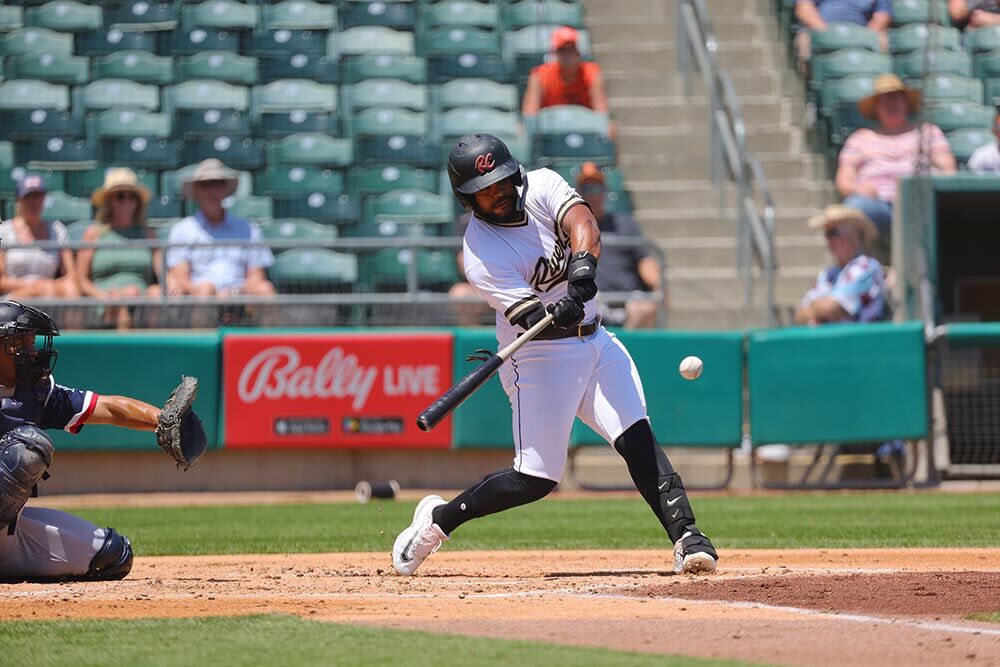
220	15
919	11
171	181
307	231
385	66
11	18
183	42
394	93
288	43
67	70
291	181
83	183
27	41
65	16
205	94
218	66
458	14
443	68
29	123
313	271
946	87
386	270
393	228
839	36
319	69
965	141
141	15
938	61
116	94
412	150
486	93
336	210
467	120
388	122
409	206
385	178
920	36
365	40
458	41
212	123
986	66
845	119
299	15
536	40
129	123
57	154
847	90
574	147
992	94
568	118
250	207
543	12
107	42
846	62
141	66
6	167
65	208
281	124
397	15
293	95
142	152
236	152
984	39
76	229
32	94
957	115
162	212
313	149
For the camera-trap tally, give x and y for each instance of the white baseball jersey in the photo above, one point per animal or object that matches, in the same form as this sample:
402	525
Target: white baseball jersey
515	266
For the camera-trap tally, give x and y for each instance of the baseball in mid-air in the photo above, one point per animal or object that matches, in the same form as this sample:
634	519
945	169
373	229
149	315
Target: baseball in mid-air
691	368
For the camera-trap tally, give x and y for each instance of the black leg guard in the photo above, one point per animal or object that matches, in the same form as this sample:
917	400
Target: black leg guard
495	493
656	479
113	560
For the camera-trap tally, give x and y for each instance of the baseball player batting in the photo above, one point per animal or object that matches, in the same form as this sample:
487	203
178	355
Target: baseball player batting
532	248
38	544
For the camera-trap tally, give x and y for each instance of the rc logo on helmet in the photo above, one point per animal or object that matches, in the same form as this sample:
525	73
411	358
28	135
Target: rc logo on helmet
485	163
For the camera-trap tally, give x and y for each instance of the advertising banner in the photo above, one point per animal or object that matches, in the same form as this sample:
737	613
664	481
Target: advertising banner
334	390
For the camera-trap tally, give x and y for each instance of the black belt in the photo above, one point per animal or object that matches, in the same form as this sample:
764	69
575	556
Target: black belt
582	331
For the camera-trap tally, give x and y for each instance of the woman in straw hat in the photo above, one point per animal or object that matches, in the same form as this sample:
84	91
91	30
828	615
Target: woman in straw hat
119	272
852	289
873	160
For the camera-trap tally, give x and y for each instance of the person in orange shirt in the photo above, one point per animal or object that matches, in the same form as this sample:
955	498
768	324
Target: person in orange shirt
566	80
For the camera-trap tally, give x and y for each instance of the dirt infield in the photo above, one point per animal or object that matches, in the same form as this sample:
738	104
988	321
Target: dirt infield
802	607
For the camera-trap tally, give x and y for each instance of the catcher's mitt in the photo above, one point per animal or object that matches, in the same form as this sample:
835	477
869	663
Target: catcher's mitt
178	429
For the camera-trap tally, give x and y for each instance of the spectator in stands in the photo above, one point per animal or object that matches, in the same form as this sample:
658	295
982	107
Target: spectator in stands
818	14
873	160
28	272
974	13
113	272
566	80
222	270
621	269
467	314
852	289
986	159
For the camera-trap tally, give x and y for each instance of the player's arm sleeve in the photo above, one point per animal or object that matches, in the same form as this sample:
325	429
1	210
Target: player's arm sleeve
503	288
852	284
552	193
67	408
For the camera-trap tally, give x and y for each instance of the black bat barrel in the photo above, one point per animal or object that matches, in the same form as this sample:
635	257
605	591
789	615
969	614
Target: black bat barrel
455	396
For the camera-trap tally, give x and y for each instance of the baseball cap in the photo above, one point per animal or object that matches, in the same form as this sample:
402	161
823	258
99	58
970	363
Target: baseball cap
562	36
589	173
28	184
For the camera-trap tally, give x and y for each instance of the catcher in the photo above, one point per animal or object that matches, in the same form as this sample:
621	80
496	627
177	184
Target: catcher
38	544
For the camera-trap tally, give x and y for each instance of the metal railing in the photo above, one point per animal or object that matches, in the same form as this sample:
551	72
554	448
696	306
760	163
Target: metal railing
730	159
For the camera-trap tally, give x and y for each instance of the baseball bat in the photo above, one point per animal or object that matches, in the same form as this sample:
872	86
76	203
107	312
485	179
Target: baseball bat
467	386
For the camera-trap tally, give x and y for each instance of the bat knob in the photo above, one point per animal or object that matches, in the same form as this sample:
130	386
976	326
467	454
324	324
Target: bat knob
423	424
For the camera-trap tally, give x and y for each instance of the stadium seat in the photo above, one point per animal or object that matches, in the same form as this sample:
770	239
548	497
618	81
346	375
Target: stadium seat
162	212
566	118
542	12
83	183
393	228
458	41
386	93
387	270
313	149
57	154
183	42
142	152
106	42
129	123
957	115
388	122
28	123
76	229
136	15
68	70
986	66
466	120
947	87
412	150
11	18
212	123
27	41
299	15
31	94
844	119
965	141
385	178
981	40
250	207
839	36
141	66
297	229
920	36
443	68
409	206
288	43
458	14
328	210
221	14
65	16
397	15
536	40
373	40
385	66
992	94
116	94
205	94
279	181
313	271
287	95
847	90
574	147
319	69
486	93
919	11
938	61
242	153
280	124
66	208
218	66
6	166
846	62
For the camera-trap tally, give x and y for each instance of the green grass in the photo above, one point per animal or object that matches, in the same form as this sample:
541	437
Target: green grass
282	640
830	520
992	618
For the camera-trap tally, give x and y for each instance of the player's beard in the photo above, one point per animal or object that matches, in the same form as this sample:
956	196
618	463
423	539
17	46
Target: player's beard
512	214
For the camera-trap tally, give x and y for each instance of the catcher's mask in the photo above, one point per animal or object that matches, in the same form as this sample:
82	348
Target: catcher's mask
27	335
478	161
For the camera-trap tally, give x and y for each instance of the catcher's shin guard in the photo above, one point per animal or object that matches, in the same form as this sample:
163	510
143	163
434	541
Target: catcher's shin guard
25	455
113	560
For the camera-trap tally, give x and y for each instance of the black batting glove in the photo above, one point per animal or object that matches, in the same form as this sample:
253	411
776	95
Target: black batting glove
567	312
581	275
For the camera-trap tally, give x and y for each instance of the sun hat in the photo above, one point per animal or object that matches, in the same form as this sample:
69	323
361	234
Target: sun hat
884	84
211	169
838	214
120	179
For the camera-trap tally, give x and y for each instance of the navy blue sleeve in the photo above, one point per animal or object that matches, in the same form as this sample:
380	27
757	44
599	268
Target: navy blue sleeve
67	408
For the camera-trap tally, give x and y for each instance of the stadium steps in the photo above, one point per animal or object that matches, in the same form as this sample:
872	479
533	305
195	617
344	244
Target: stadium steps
663	143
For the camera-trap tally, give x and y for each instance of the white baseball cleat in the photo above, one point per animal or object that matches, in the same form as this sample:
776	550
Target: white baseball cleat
694	554
420	539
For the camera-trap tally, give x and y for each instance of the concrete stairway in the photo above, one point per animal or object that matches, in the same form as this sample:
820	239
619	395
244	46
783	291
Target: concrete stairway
664	144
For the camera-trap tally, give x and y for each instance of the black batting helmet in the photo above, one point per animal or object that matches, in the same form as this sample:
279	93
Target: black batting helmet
478	161
33	361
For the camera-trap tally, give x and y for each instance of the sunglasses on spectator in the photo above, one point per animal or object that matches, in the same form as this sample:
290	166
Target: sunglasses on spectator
831	233
210	184
125	196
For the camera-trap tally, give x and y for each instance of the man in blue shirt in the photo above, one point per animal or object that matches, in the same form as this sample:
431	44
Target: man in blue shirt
818	14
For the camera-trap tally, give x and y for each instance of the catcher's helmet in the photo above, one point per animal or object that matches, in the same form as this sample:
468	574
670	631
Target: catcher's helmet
478	161
33	359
